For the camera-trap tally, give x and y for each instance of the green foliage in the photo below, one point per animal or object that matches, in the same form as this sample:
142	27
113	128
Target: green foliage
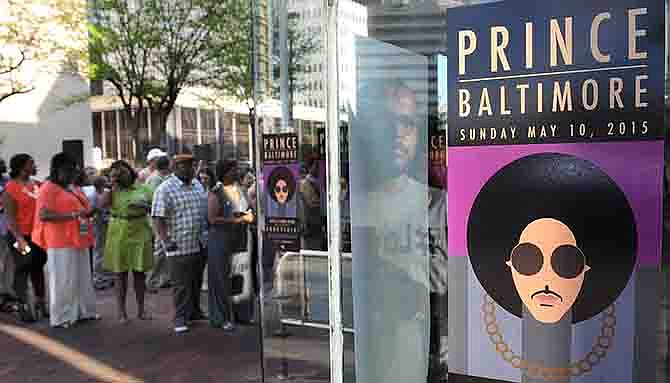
301	46
151	53
49	34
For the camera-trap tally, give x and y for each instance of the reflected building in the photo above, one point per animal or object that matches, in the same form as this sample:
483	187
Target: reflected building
306	20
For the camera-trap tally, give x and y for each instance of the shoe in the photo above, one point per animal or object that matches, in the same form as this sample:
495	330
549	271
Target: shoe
228	327
66	325
199	316
180	329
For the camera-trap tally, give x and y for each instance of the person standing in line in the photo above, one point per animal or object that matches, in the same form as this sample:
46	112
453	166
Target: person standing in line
162	172
128	246
101	278
206	177
310	206
63	227
178	211
249	188
229	216
29	258
7	296
83	180
152	159
158	276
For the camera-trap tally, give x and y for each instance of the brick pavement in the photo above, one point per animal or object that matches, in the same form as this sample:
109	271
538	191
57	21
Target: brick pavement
147	350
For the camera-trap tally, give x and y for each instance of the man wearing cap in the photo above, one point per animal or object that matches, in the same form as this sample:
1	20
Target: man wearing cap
179	212
152	159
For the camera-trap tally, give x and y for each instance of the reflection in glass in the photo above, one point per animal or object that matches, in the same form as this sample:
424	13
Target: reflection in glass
389	215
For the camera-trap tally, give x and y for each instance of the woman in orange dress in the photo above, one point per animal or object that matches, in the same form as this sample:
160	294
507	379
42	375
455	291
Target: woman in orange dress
19	200
64	229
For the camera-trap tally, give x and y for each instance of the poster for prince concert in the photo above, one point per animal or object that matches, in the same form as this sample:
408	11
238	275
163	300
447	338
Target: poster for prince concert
555	151
281	173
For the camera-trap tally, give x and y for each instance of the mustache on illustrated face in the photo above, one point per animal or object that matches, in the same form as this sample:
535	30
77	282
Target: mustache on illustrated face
546	291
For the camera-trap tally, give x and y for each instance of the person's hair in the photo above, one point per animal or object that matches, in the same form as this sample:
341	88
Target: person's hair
17	163
309	160
281	173
223	167
99	182
571	190
123	164
372	128
163	163
61	162
210	173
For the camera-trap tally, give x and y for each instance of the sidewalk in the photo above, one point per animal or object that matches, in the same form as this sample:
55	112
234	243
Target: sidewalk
142	351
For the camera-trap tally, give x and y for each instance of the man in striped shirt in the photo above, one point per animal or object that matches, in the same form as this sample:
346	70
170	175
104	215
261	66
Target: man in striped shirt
179	211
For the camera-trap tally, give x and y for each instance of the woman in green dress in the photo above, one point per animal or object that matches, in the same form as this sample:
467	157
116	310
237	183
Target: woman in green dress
128	247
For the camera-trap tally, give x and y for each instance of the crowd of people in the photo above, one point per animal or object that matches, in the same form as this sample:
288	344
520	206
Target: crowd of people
164	226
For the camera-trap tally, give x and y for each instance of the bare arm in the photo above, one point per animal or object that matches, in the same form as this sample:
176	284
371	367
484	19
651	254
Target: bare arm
213	211
161	228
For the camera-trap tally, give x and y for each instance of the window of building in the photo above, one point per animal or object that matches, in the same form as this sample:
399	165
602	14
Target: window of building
189	128
226	147
110	135
243	138
208	126
97	129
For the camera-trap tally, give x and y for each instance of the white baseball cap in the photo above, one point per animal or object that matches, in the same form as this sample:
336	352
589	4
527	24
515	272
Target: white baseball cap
155	153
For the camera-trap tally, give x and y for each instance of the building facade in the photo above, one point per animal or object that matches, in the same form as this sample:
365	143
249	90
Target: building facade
52	115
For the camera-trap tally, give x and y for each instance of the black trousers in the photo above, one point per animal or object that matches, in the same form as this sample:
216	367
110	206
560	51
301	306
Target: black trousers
27	266
185	272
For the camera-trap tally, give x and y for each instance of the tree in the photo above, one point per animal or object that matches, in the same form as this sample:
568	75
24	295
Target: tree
234	73
302	45
40	35
231	71
151	53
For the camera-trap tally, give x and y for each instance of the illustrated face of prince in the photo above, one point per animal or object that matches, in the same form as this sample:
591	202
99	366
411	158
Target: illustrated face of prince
548	269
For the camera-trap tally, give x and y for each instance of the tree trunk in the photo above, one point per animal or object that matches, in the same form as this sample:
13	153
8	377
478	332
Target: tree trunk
137	134
167	139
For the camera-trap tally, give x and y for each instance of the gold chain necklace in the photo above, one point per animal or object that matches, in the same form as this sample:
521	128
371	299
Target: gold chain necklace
536	369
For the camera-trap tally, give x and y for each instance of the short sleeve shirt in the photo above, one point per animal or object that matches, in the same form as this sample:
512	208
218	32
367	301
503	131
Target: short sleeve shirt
25	196
155	180
184	208
63	234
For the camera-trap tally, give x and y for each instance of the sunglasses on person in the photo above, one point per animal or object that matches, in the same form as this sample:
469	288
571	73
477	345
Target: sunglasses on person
281	189
567	261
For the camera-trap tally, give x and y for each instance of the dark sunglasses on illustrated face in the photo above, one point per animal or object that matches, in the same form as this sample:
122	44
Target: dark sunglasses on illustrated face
281	189
567	261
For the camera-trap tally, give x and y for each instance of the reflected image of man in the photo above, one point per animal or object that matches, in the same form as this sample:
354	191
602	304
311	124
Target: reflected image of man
389	212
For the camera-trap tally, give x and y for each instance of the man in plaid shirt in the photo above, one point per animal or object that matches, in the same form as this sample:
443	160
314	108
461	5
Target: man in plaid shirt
179	211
